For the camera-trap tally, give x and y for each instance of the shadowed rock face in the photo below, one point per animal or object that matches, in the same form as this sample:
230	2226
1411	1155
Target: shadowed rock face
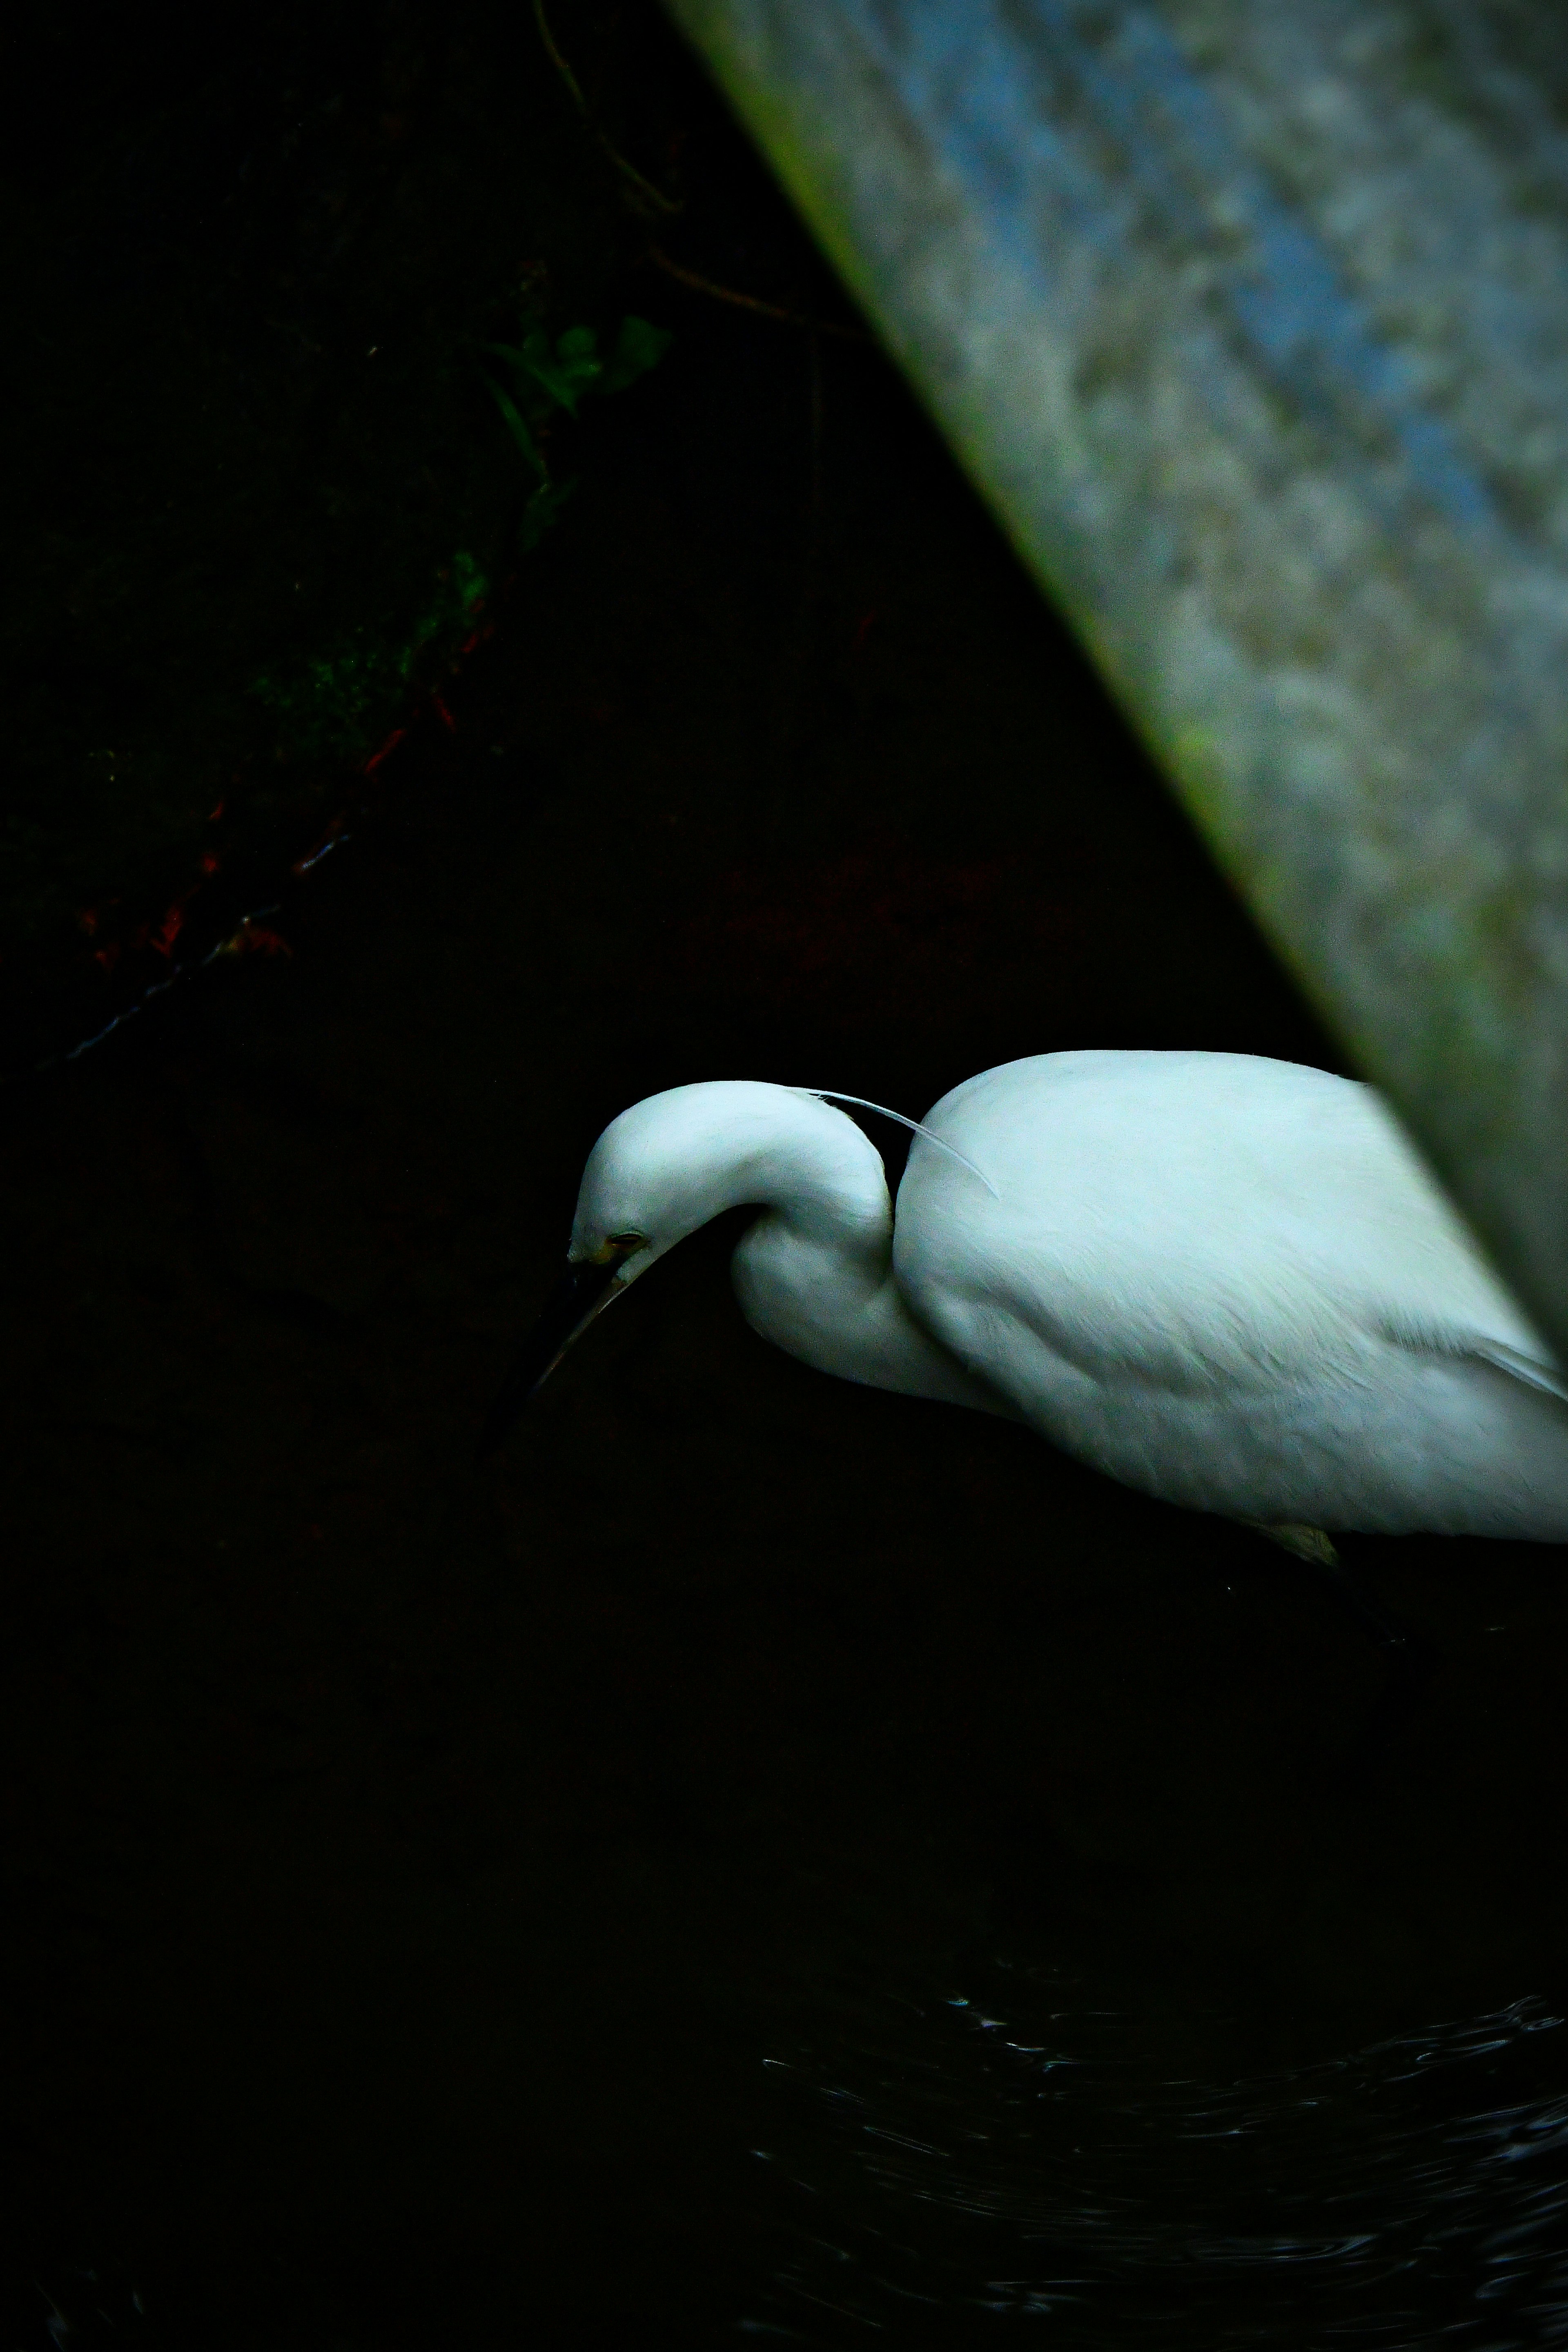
1252	325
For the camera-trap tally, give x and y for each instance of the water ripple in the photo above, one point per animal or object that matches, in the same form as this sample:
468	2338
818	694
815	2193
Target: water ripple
1026	2158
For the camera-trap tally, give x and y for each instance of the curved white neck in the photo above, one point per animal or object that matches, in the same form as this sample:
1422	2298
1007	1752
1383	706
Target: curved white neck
822	1180
814	1274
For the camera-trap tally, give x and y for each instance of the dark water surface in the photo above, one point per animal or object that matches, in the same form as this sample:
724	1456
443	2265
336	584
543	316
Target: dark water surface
761	1858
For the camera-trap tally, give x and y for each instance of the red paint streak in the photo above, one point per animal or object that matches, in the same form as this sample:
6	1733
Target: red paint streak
169	929
88	920
213	814
375	759
447	720
209	861
108	957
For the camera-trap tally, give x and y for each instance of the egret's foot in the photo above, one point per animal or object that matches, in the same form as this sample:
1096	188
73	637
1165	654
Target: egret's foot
1409	1658
1302	1542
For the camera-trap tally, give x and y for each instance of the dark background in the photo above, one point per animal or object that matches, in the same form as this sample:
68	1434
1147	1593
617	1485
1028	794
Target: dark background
761	1853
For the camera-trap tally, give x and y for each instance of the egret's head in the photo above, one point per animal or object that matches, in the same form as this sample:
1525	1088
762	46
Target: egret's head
656	1173
668	1166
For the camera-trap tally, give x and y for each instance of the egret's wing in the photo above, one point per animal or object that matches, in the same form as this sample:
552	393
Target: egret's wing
1207	1217
1527	1370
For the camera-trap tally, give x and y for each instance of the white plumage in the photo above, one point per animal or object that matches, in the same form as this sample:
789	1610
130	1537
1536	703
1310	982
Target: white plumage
1226	1281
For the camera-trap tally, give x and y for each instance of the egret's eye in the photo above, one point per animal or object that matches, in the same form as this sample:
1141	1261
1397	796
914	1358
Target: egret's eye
625	1241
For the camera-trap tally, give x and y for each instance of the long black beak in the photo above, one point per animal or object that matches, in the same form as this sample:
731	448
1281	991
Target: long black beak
580	1295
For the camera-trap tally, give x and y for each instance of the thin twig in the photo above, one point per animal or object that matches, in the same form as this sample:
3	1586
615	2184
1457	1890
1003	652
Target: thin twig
749	301
649	195
557	60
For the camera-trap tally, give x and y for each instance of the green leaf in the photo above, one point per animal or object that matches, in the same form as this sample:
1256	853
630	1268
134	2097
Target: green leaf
469	582
518	431
562	384
639	346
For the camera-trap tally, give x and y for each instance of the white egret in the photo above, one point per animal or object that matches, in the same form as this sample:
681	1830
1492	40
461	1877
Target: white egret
1228	1282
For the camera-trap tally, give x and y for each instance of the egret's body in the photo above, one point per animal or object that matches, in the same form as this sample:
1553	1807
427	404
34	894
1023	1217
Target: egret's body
1226	1281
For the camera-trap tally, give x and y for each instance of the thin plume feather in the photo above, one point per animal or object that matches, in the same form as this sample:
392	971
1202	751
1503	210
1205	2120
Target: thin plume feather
829	1094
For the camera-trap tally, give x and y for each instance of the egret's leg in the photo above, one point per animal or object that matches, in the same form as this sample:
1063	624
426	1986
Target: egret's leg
1302	1542
1317	1549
